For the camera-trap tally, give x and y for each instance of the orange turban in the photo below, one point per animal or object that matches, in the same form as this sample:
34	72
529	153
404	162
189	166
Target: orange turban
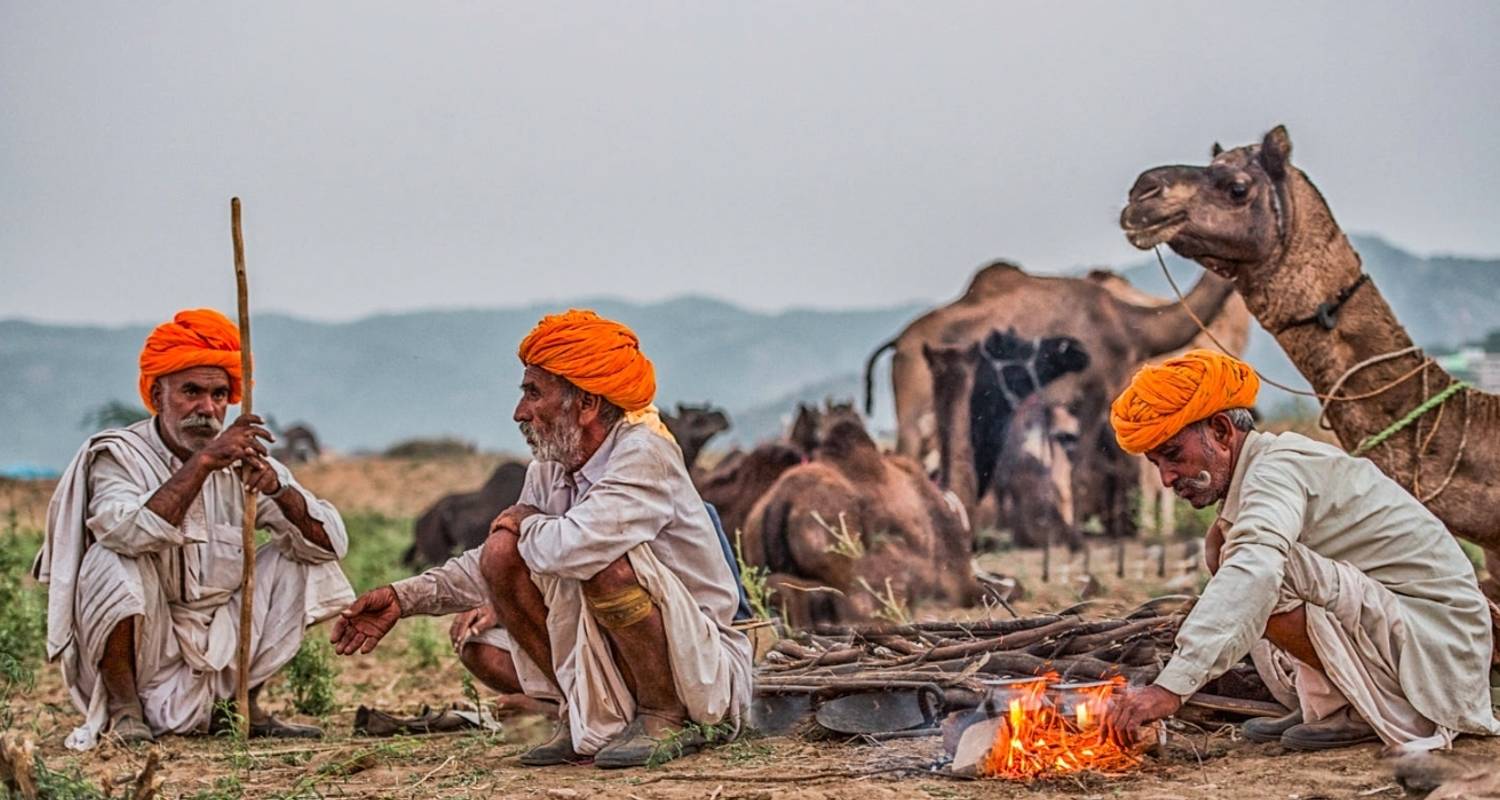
597	355
200	337
1163	399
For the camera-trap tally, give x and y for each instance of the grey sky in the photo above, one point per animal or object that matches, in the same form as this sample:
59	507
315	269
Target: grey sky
418	155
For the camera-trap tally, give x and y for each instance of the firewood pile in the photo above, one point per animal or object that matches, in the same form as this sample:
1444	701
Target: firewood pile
890	680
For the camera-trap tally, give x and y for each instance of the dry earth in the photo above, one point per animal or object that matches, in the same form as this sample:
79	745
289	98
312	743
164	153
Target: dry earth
1197	763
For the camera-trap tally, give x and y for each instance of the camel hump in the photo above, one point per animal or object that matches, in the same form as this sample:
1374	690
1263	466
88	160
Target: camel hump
993	278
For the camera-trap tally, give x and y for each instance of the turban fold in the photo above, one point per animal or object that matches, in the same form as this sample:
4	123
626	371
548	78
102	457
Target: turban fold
200	337
1163	399
597	355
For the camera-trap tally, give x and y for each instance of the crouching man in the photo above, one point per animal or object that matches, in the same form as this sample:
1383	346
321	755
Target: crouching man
1317	556
143	555
611	595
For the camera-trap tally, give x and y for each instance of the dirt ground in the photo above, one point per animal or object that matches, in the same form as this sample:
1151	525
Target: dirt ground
400	677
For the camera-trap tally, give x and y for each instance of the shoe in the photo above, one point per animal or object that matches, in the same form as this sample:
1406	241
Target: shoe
554	751
274	728
634	747
1269	729
130	729
1340	729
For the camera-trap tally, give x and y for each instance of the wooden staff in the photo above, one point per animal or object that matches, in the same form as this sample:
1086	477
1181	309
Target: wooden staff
247	533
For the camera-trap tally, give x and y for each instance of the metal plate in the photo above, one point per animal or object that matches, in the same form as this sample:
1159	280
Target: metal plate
775	714
873	712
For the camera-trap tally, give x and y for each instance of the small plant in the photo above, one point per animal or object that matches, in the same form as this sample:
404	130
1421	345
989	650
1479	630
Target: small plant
669	747
845	542
424	646
227	787
753	578
311	677
22	615
892	609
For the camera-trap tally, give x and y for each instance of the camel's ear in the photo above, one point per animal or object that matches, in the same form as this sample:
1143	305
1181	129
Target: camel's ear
1217	150
1276	152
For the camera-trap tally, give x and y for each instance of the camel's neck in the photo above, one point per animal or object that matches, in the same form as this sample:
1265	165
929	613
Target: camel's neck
860	462
1316	265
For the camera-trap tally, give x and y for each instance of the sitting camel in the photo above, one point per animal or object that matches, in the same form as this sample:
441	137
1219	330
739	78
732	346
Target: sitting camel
854	521
461	521
692	427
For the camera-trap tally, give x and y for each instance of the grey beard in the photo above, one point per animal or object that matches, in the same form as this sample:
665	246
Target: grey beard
562	446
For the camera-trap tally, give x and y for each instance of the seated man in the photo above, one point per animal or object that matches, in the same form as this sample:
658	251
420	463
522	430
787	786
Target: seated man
143	555
612	595
1329	560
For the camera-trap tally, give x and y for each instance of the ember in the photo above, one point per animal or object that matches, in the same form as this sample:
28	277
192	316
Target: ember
1050	728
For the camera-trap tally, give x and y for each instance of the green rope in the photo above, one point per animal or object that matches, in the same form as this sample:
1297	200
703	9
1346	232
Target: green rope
1436	400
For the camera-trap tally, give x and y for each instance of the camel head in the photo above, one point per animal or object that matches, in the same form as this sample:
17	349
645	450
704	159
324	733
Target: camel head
700	423
1229	216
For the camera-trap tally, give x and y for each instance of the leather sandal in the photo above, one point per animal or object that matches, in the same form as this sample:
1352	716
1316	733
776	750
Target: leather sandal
555	751
130	729
272	727
1269	729
634	747
1343	728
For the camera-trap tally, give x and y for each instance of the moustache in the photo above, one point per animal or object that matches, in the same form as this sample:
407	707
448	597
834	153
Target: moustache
196	422
1203	482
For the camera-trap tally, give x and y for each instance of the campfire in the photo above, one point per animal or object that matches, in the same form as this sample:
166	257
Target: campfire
1046	727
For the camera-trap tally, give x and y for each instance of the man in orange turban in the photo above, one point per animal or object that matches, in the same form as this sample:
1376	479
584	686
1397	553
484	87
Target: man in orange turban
143	551
1359	609
604	589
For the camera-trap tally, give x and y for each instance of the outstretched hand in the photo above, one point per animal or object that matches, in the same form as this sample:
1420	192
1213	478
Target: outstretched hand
366	621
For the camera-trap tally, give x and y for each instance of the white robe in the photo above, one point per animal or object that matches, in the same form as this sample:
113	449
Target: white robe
1393	607
633	499
108	557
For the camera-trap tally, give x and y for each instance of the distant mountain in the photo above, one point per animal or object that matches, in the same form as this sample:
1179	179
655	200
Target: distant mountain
374	381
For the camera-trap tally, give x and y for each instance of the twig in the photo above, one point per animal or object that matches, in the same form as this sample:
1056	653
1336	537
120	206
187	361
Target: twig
148	782
435	771
850	774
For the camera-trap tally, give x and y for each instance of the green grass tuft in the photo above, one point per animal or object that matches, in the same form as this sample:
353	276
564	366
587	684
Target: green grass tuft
312	675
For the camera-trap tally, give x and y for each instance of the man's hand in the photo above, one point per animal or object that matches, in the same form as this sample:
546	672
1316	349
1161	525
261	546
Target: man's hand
360	626
471	622
511	518
241	440
1138	707
261	477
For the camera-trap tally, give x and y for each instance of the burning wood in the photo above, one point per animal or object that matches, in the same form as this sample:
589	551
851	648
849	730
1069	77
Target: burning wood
1048	727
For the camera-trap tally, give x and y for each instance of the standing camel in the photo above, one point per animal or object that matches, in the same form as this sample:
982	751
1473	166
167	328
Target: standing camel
1252	217
1116	333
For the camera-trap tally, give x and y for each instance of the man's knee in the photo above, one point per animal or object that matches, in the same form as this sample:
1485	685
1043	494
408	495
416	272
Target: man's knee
616	577
500	560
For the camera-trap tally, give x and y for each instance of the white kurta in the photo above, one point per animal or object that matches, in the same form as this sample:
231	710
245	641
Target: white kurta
1393	607
108	557
634	499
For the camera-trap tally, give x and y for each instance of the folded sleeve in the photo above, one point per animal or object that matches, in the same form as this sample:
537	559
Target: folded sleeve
118	517
455	586
286	537
1231	614
629	505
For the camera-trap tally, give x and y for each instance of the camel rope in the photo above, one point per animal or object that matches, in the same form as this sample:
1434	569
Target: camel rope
1369	442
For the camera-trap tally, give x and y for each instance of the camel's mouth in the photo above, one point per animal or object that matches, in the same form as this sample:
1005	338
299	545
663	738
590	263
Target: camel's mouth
1152	233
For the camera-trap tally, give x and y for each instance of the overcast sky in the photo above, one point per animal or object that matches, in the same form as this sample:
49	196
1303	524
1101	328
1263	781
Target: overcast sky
439	154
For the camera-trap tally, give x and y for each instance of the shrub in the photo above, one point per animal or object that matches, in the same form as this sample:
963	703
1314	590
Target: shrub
311	676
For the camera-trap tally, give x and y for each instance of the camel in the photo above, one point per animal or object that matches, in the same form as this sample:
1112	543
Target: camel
1254	218
1036	475
855	521
458	522
1116	333
692	427
976	389
740	479
1231	329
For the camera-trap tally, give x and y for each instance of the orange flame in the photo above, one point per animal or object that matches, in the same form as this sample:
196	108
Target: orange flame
1048	733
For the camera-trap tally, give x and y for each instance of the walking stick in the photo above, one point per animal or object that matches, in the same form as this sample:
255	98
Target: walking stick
247	533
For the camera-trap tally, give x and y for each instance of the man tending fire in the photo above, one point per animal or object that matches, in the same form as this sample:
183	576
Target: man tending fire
1316	554
604	589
